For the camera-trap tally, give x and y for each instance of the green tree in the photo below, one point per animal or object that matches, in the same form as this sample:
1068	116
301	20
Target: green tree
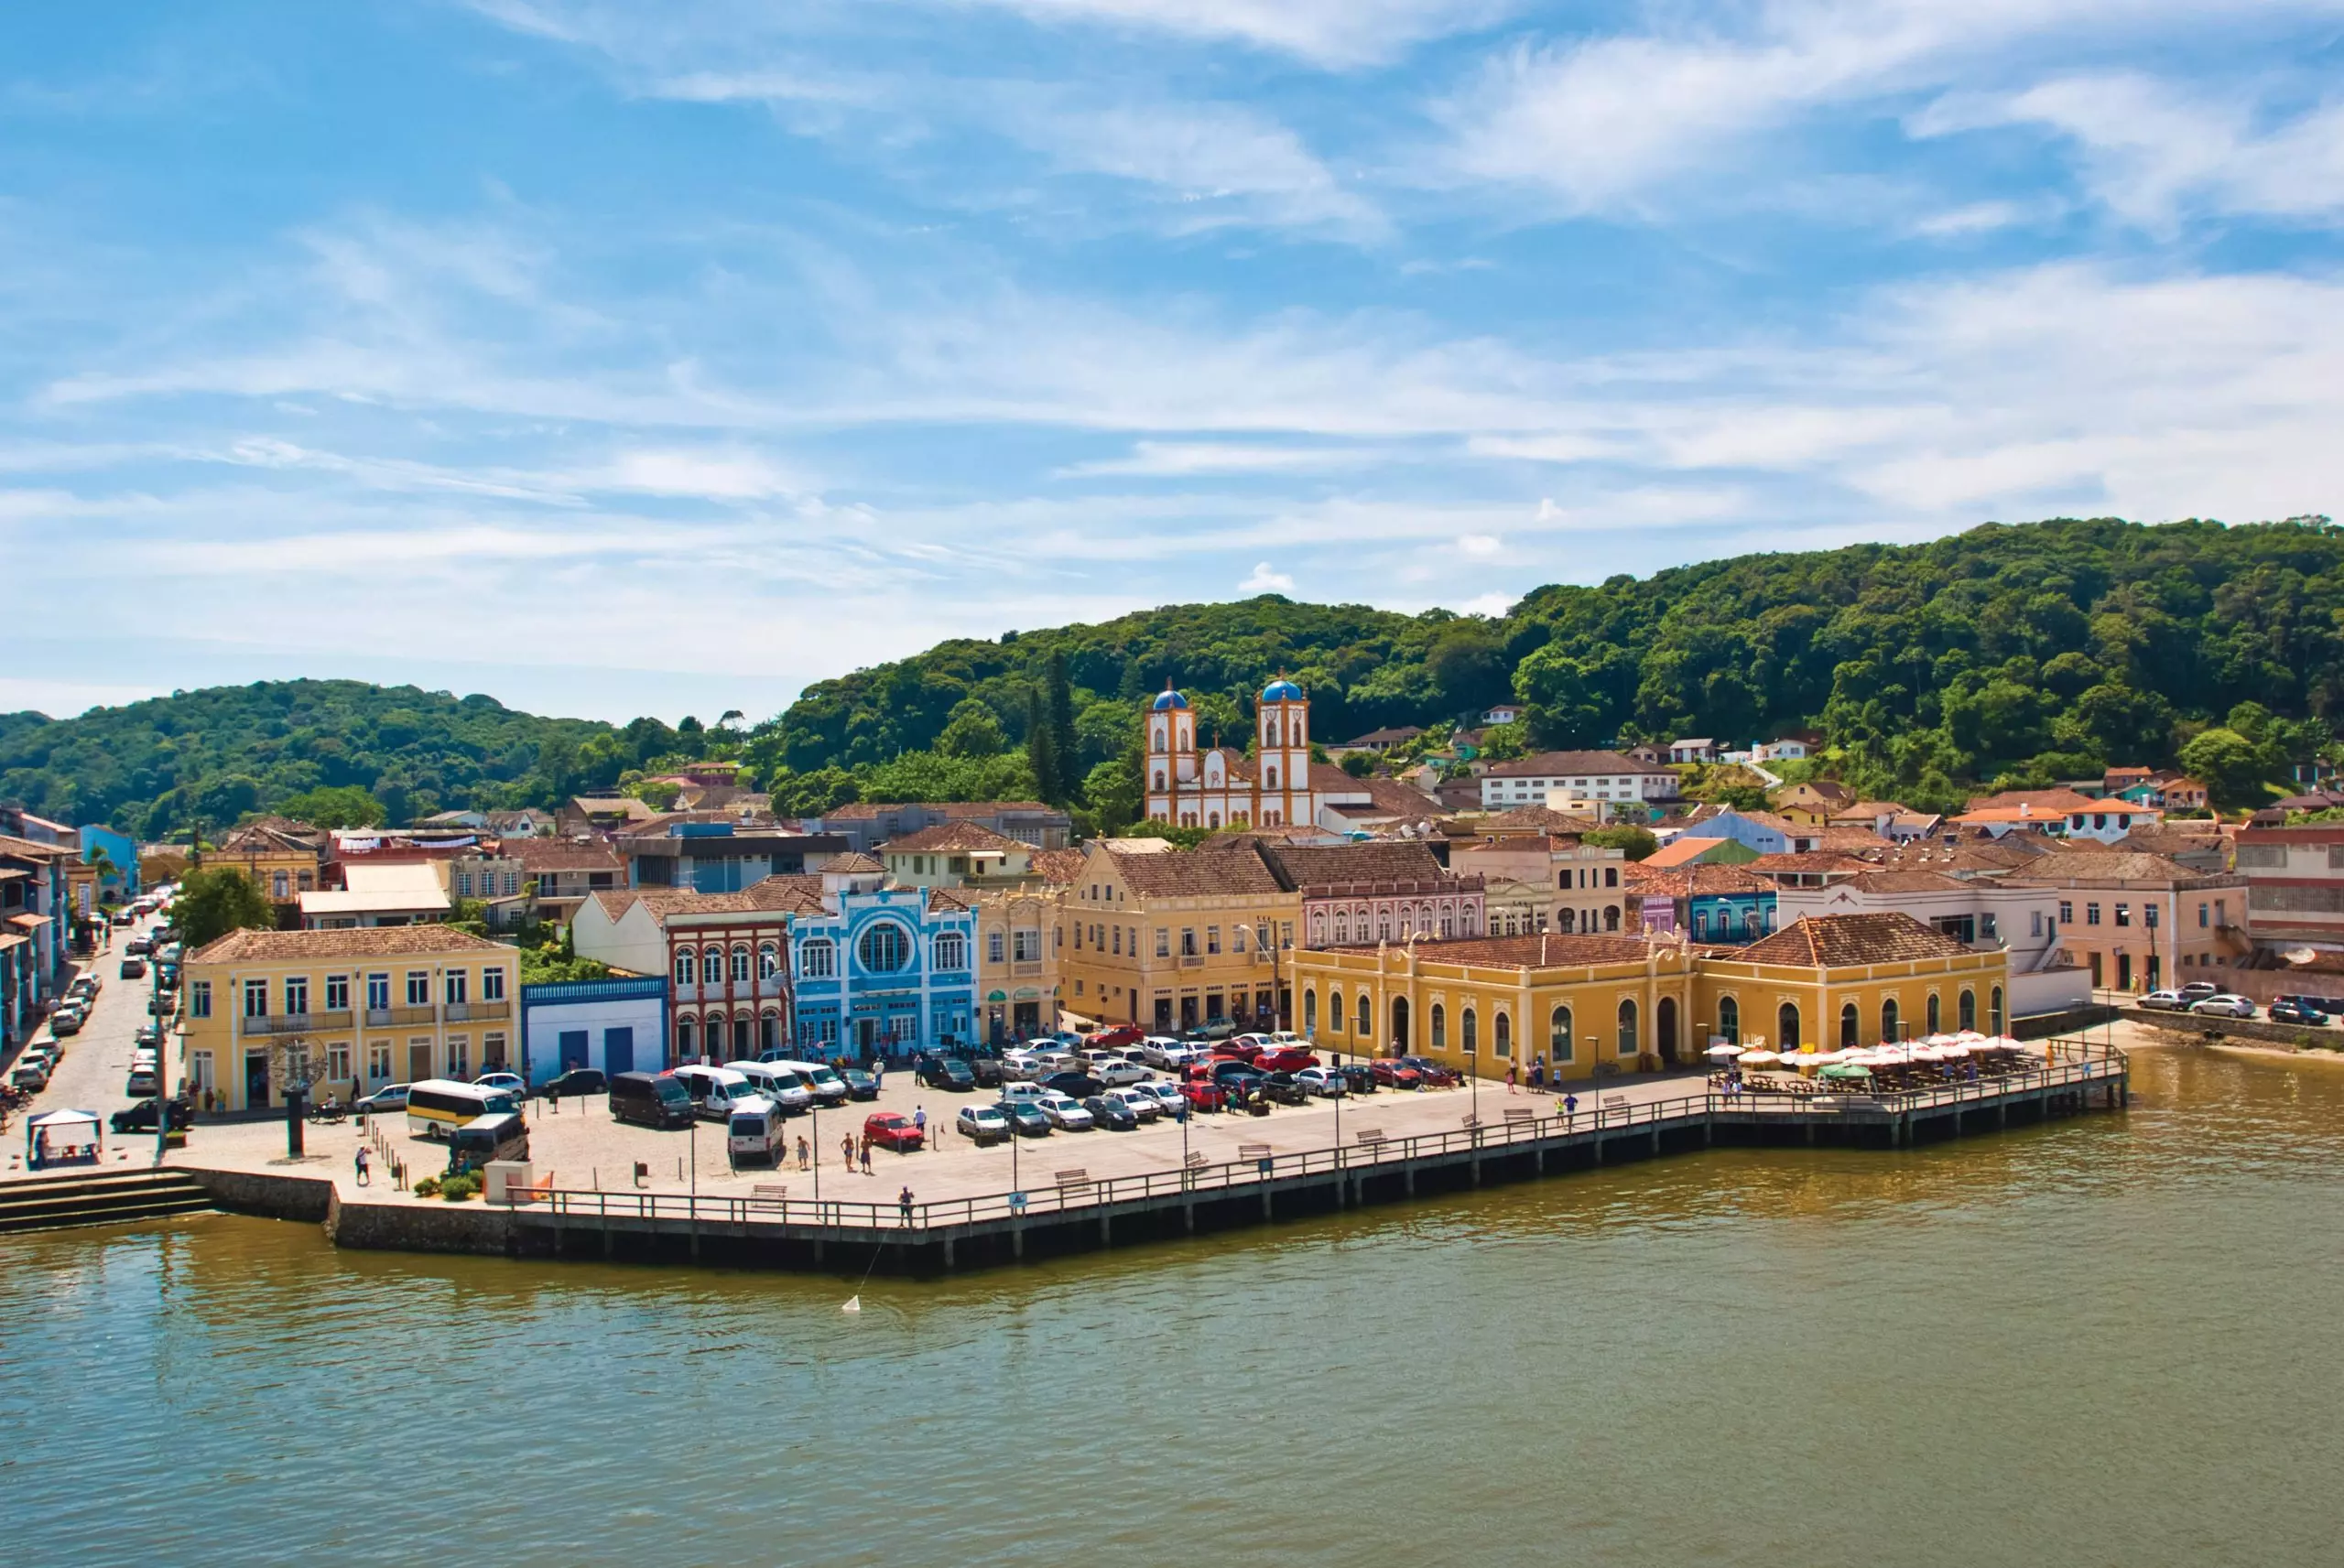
973	731
2231	766
1041	754
216	900
334	805
1637	842
1064	745
1115	789
1359	764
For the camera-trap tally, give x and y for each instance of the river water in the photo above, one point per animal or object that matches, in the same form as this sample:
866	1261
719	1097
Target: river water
2109	1340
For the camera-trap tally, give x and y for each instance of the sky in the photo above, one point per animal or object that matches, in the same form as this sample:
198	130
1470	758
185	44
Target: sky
614	358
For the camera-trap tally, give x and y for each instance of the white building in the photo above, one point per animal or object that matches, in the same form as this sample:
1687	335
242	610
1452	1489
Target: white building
1598	776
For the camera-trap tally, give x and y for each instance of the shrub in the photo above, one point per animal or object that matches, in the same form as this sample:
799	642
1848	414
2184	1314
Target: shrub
456	1189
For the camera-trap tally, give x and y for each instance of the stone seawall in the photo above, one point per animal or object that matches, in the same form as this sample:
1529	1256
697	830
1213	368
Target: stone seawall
2075	1020
2202	1029
270	1197
466	1228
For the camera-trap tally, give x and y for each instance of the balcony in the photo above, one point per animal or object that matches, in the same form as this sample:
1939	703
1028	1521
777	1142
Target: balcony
1027	970
388	1017
1265	955
474	1011
295	1023
1191	961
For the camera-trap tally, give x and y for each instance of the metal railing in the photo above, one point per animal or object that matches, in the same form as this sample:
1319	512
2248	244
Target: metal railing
386	1017
295	1023
472	1011
2070	1061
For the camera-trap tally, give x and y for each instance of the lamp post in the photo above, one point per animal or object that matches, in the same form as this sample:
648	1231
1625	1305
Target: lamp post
154	1012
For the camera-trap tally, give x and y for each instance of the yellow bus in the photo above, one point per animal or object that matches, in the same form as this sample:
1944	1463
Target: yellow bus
436	1106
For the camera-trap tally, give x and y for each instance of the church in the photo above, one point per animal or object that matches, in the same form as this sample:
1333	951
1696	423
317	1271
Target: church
1222	787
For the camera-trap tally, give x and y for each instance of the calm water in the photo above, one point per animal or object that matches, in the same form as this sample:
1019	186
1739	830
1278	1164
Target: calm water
2108	1341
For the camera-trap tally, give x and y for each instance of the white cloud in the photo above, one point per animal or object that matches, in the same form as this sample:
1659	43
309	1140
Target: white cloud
1181	460
1333	33
1265	580
1479	546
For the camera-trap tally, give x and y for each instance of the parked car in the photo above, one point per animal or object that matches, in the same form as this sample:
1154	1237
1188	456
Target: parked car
87	983
860	1084
389	1098
134	969
986	1069
984	1124
2326	1004
149	1034
1023	1093
2294	1013
1431	1074
504	1084
578	1081
141	1080
1244	1048
1026	1118
139	946
1326	1083
1167	1095
1117	1073
1283	1088
30	1077
2198	990
1203	1094
1135	1099
948	1073
1226	1073
1112	1114
1285	1059
1066	1112
892	1130
1074	1086
140	1118
1162	1051
1120	1035
1395	1074
1216	1028
650	1099
2224	1004
2167	1002
65	1020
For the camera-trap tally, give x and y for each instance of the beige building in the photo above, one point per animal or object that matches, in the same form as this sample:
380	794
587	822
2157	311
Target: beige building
2141	923
1021	941
956	854
1547	881
350	1010
1169	938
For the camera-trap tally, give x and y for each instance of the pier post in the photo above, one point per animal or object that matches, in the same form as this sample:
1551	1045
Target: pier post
1018	1240
1267	1213
1106	1228
947	1252
1709	1130
1810	1130
2002	1113
818	1249
1189	1218
1408	1175
1596	1143
1656	1141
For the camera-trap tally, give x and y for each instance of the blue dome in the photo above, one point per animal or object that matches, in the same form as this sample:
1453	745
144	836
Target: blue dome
1281	691
1170	699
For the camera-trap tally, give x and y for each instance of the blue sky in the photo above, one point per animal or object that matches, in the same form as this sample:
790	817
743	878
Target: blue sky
621	358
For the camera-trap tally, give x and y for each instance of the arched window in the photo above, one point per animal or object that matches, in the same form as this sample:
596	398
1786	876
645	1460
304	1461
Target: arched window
1786	1028
1213	819
768	961
1936	1014
1558	1035
683	1036
1273	775
1730	1020
687	966
883	948
740	963
1366	1018
1629	1035
1337	1019
1994	1009
1847	1027
1502	1034
1309	1010
1343	927
1563	878
1469	1031
1700	925
1564	920
1610	876
817	960
711	965
1440	1027
1966	1010
1611	917
1888	1020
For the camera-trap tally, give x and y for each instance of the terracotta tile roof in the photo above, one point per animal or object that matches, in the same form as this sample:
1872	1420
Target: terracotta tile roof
360	942
853	861
1385	737
34	849
864	810
2073	868
563	855
953	837
952	898
1303	867
1543	817
1058	867
1812	862
1847	840
1838	941
1197	873
1688	882
1553	764
1545	951
621	805
1395	798
796	894
1903	881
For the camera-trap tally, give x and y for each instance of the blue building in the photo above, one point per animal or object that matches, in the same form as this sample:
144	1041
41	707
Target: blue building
884	971
1763	831
120	884
721	857
1705	902
614	1025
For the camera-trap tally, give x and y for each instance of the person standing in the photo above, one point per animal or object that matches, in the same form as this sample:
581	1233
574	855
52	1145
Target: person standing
804	1154
846	1151
362	1166
866	1154
1511	1072
904	1202
1570	1109
919	1120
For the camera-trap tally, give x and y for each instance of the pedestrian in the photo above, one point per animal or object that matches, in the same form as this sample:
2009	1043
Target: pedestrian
866	1156
846	1150
1510	1072
1570	1109
804	1154
904	1202
878	1071
919	1120
362	1165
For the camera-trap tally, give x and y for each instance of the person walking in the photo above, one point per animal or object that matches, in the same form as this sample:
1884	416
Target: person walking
1570	1109
904	1203
919	1120
362	1166
1510	1077
866	1155
878	1071
804	1154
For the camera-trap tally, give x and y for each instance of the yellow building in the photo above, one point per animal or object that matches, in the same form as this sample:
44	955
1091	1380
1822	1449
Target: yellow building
1020	940
285	860
350	1010
1584	1004
1170	938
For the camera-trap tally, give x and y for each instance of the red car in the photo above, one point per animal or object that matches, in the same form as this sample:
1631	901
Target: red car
892	1130
1395	1074
1121	1034
1239	1050
1203	1094
1285	1059
1432	1074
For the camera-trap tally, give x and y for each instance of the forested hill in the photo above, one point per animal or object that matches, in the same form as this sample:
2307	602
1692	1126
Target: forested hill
2009	651
219	753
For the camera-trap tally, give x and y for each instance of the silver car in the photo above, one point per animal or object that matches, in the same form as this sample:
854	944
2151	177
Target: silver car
1165	1094
2225	1005
1138	1101
1066	1113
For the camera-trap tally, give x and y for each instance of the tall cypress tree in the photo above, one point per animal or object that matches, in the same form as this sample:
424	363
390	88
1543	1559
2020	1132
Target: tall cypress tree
1041	753
1066	751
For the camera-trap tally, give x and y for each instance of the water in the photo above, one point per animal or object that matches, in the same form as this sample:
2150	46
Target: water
2110	1340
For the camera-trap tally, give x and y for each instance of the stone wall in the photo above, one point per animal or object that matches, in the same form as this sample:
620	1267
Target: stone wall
425	1227
2197	1027
270	1196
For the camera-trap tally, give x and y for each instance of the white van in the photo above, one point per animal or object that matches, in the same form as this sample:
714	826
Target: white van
776	1083
752	1133
714	1090
820	1078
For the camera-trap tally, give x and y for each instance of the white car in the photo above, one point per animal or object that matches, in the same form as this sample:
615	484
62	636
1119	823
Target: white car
1165	1094
1138	1101
1117	1073
1033	1094
1064	1112
2169	1001
502	1084
2225	1005
983	1123
1174	1055
1325	1082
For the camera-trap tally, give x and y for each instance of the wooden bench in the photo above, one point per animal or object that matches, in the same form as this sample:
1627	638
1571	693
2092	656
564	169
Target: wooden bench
1370	1135
1615	1102
1194	1159
1074	1180
1254	1152
1521	1113
765	1192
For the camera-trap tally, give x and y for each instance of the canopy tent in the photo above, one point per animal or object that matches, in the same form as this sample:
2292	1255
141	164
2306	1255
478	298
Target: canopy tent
63	1135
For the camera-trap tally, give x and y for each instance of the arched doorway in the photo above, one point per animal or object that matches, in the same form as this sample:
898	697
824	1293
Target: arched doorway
1889	1018
1786	1028
1665	1031
1399	1023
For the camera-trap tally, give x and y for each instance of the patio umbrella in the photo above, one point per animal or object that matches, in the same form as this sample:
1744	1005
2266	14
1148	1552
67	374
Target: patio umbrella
1724	1053
1758	1059
1845	1070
